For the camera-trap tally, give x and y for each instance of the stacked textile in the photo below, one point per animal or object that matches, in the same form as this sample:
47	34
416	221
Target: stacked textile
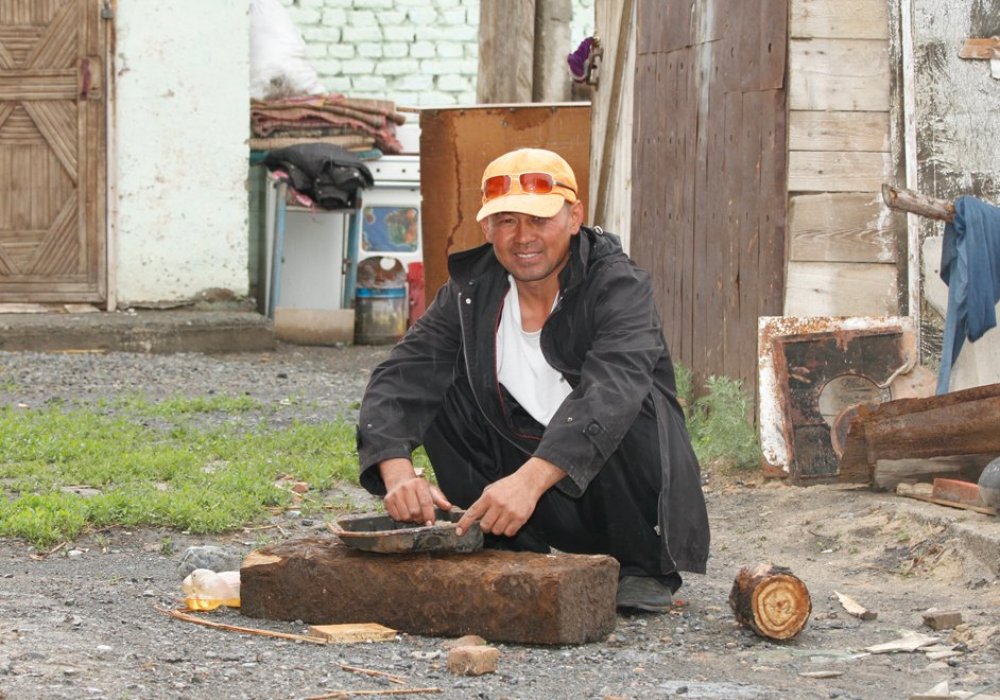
352	123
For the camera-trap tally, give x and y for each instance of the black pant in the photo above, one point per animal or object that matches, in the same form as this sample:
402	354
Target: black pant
616	514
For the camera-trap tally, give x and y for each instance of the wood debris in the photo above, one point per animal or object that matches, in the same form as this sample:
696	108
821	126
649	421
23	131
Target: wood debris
909	642
354	632
854	608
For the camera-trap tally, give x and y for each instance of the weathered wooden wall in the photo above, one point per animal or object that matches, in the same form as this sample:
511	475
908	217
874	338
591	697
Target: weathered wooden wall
957	134
844	244
709	174
611	132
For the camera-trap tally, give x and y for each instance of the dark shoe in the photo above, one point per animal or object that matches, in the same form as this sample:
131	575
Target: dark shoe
644	593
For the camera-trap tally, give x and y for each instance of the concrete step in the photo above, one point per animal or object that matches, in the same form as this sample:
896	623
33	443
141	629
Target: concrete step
137	331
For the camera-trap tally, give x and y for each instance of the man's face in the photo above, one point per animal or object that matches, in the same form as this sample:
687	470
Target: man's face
533	248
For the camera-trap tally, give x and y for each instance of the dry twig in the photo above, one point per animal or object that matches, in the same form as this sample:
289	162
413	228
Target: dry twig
387	691
372	672
185	617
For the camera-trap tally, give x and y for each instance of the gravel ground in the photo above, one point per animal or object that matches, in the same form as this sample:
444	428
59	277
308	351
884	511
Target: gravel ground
82	621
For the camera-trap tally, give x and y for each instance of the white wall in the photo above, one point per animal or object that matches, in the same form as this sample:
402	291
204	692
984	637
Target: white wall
179	149
418	53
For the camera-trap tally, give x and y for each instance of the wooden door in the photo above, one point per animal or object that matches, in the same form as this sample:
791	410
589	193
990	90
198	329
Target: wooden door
52	151
709	174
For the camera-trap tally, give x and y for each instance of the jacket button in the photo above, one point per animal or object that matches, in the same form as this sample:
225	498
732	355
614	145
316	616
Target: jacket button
593	429
468	300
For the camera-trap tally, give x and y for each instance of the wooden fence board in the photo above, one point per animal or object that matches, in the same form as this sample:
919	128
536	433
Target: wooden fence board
824	171
840	289
838	74
838	131
732	198
841	227
839	19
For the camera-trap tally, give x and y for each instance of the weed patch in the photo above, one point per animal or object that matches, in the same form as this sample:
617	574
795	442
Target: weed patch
719	421
66	470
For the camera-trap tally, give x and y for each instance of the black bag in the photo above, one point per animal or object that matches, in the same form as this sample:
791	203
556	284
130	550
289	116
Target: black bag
328	174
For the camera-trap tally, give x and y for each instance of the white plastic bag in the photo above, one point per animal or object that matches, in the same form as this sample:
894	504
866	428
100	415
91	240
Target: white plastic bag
206	590
278	64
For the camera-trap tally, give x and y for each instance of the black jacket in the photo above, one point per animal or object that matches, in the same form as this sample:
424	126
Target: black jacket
604	336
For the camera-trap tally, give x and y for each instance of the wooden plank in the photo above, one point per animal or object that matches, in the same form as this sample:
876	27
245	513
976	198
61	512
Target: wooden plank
701	204
839	74
506	51
839	19
956	423
713	358
666	251
520	597
771	223
841	289
838	131
663	26
773	44
749	53
352	633
684	195
732	197
841	227
749	235
824	171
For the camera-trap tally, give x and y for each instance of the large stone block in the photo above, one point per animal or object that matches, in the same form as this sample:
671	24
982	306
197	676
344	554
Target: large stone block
501	596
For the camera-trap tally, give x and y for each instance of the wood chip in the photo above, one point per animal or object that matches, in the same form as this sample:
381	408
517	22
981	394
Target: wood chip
909	642
354	632
855	608
821	674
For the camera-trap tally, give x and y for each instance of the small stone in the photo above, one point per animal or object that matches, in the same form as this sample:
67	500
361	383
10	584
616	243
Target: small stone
473	661
210	557
74	553
942	620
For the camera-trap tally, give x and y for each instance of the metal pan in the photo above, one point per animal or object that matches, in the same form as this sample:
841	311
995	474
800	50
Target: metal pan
380	533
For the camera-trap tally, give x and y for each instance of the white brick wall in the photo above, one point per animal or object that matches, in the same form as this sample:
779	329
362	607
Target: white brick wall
418	53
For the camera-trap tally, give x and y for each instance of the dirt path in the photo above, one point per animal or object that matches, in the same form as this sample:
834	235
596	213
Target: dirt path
82	622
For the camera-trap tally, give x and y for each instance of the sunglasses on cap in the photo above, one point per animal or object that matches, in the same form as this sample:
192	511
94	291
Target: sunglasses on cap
528	183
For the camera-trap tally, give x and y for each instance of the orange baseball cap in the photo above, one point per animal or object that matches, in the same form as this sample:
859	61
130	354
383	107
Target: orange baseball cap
511	183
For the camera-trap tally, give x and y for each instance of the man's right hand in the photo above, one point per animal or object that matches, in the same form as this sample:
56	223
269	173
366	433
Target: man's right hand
410	498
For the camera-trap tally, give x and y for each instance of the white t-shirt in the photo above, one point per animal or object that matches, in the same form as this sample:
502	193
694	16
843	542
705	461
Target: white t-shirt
521	366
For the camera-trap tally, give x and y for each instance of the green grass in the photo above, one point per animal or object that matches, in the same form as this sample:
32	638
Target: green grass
720	421
155	468
155	464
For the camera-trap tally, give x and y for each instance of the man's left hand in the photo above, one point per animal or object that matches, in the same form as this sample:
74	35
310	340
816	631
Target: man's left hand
506	504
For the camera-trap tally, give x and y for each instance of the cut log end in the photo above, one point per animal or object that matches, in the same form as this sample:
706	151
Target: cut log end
771	601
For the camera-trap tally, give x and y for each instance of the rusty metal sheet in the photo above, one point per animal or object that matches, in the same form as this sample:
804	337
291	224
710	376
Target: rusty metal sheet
813	369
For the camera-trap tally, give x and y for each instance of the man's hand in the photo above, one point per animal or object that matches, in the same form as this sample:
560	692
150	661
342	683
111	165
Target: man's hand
506	504
409	498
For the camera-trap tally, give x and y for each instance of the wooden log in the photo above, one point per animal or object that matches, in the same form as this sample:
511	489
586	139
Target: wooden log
958	423
502	596
922	204
771	601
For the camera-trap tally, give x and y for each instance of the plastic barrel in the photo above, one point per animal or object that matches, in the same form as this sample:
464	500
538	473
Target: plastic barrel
380	315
